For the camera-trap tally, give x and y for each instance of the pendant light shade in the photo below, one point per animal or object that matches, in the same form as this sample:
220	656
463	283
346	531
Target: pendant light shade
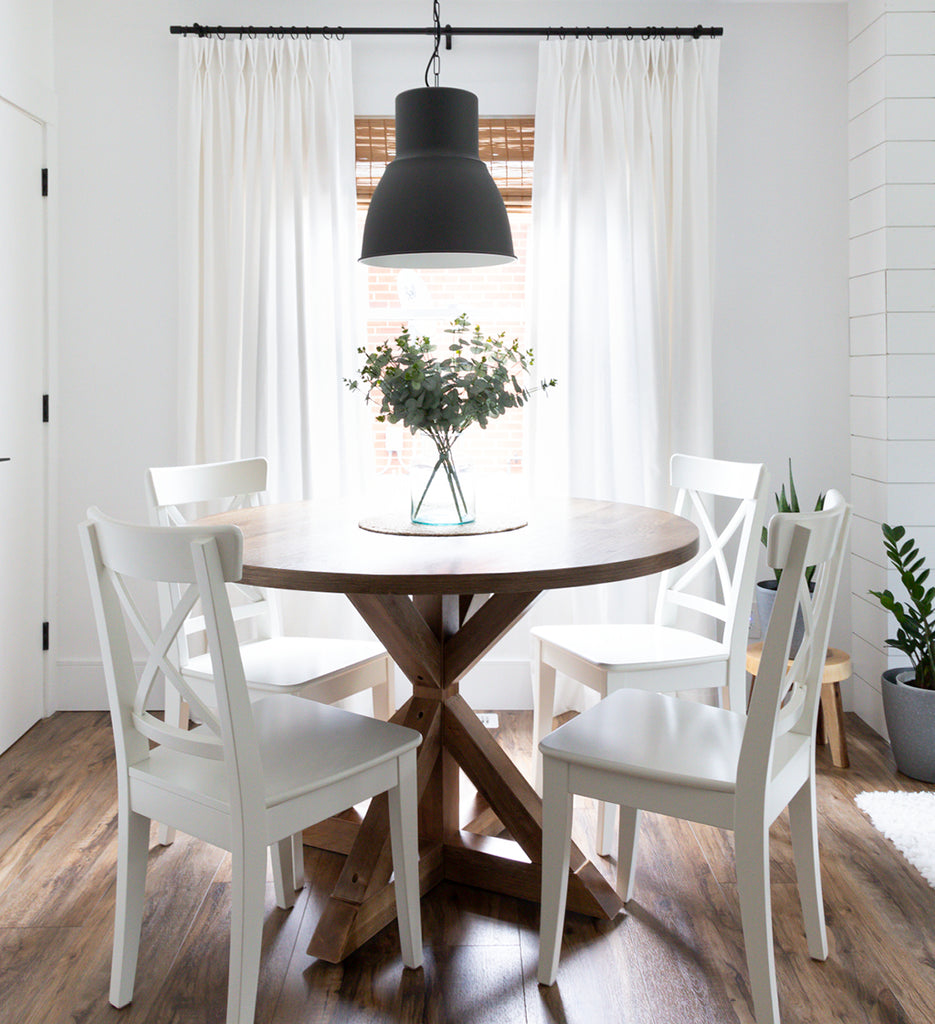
436	204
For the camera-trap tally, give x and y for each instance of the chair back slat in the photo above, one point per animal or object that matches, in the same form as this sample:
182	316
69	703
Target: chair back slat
787	693
238	480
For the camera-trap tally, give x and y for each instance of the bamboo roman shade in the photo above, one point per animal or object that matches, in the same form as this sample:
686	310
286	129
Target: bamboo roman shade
505	144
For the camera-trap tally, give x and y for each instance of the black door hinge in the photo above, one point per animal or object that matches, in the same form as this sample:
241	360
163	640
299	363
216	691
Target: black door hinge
45	408
45	636
45	181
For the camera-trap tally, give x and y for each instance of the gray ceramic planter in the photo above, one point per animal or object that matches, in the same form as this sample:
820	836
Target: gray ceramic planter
910	721
765	599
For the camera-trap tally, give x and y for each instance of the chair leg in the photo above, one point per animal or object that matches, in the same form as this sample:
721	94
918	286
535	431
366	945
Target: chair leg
248	888
298	862
804	826
543	705
751	842
404	839
833	713
282	862
557	807
132	857
383	695
176	712
604	837
627	843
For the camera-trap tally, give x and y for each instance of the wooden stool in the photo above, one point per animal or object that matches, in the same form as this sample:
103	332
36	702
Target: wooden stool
837	669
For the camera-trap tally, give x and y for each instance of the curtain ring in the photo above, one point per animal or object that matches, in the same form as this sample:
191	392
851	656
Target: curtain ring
325	33
561	32
251	32
697	32
220	35
607	30
590	34
339	34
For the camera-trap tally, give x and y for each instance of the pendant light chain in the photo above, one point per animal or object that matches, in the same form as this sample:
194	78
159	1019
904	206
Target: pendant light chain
435	61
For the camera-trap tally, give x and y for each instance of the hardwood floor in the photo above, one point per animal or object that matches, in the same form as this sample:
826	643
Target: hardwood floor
676	957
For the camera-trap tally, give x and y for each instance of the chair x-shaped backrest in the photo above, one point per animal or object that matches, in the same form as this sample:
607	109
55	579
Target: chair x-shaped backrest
223	487
197	561
699	481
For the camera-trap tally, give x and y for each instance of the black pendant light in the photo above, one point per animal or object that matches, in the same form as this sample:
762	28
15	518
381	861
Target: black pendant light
436	204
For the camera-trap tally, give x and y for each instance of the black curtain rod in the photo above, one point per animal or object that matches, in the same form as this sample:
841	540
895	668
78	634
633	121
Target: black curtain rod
339	32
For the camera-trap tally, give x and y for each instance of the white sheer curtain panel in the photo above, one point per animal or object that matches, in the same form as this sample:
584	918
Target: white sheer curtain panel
270	320
270	315
621	271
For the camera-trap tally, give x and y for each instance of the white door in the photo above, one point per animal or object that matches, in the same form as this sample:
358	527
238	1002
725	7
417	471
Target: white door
22	444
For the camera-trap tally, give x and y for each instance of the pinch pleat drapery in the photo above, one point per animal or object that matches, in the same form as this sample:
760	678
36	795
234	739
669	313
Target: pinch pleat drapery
621	279
270	319
621	266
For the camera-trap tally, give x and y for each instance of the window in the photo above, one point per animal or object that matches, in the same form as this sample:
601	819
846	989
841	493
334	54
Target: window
427	300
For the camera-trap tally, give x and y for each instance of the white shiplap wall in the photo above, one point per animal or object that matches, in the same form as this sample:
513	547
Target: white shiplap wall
891	101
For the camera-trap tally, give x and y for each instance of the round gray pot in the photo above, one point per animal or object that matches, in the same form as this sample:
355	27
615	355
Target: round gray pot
910	721
765	599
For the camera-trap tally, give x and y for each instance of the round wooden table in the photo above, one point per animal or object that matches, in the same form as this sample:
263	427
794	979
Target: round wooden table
438	604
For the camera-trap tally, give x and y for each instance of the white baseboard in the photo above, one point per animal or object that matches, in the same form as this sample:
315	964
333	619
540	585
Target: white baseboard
490	686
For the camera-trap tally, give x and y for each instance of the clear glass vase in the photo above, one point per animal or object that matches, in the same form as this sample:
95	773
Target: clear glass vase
441	489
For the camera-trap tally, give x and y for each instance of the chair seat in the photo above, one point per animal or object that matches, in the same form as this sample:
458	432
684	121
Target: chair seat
633	647
656	737
285	663
304	746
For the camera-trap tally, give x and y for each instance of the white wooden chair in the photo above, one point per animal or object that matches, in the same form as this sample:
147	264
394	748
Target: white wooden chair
652	751
249	776
322	669
663	656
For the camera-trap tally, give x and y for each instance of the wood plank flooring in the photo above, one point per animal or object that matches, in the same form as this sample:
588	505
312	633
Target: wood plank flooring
676	957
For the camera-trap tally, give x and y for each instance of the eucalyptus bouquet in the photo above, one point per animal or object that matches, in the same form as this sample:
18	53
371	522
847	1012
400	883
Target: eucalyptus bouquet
440	394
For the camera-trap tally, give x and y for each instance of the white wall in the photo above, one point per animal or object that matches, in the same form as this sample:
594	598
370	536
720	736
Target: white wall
25	45
781	328
892	306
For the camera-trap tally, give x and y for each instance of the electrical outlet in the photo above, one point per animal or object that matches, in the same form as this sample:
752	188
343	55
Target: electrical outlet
490	719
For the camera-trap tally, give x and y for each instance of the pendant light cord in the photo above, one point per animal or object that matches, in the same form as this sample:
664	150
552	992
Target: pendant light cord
435	60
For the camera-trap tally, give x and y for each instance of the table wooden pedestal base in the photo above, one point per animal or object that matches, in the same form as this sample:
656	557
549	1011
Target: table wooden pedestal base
435	639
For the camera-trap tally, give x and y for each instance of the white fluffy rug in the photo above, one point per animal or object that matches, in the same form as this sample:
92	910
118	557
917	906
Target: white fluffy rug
908	821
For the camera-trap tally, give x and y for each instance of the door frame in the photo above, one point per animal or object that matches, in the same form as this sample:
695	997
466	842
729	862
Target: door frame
40	104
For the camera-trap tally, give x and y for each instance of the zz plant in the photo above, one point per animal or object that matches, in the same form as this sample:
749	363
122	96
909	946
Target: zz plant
915	620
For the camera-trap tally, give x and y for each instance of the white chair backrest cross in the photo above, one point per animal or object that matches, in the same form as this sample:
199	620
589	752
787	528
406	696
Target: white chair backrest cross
226	486
729	551
252	774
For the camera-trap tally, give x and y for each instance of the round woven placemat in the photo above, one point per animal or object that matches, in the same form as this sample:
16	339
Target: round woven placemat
403	526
